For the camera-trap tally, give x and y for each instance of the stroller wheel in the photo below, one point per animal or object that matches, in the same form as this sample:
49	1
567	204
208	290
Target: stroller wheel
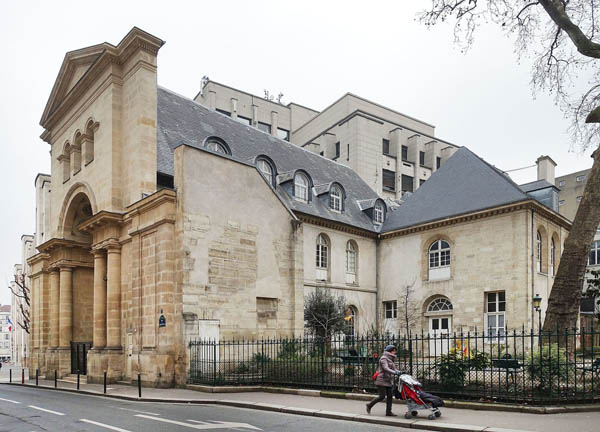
438	413
407	416
415	413
431	417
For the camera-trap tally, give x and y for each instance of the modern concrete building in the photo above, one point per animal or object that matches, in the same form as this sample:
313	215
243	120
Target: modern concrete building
223	227
5	333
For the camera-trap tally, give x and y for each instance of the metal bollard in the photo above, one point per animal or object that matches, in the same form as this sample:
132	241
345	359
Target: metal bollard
37	374
104	382
10	375
77	379
55	379
140	386
22	376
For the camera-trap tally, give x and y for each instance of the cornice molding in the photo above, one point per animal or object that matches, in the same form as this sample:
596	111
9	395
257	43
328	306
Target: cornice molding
56	243
101	219
314	220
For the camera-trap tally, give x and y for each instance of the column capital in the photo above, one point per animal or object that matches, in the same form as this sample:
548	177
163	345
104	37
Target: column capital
66	268
113	248
99	253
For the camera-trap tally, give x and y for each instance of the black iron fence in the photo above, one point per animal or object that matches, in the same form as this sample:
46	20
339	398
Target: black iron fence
514	366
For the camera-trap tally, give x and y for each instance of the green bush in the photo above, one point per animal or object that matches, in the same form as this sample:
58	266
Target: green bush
349	371
453	366
549	365
478	360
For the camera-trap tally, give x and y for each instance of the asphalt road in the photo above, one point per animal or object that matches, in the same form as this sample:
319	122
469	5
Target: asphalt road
24	409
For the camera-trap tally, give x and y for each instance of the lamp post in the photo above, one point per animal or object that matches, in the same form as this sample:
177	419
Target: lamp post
537	301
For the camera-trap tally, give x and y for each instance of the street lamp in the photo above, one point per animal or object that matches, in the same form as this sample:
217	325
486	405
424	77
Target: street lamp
537	301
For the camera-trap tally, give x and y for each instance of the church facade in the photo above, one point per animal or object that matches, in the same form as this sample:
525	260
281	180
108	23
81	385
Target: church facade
168	220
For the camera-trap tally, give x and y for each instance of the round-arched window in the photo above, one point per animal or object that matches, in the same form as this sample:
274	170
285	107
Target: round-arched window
539	251
322	251
350	324
440	304
301	185
216	146
378	213
266	170
335	198
439	254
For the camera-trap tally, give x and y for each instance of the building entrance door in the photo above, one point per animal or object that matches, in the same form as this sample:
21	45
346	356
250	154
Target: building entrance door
79	352
439	332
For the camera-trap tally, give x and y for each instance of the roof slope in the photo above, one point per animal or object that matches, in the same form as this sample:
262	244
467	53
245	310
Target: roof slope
181	120
536	185
464	184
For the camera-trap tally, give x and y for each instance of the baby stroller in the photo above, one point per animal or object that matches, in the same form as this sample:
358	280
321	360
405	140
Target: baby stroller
409	389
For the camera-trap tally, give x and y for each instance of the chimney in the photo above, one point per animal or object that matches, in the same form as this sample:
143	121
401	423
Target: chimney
545	169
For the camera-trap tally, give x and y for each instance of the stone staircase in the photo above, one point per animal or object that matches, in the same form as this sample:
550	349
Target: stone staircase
72	378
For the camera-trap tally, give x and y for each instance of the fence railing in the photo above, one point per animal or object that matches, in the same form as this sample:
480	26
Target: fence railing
511	366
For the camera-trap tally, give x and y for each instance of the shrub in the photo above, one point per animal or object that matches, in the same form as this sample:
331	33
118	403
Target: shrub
549	365
451	368
478	360
349	371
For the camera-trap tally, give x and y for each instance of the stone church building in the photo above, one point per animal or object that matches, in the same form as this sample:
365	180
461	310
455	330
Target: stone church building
169	219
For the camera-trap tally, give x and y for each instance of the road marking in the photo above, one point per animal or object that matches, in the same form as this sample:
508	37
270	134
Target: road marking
8	400
45	410
219	425
104	425
198	421
137	411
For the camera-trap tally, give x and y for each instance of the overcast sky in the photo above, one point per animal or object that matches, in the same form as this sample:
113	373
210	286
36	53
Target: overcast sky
312	51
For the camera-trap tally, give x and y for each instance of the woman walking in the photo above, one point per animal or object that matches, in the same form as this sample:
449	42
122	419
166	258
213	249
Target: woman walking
385	380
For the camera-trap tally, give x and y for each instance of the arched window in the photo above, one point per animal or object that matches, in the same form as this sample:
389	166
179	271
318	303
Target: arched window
266	170
87	141
335	199
351	262
301	187
378	213
215	146
552	252
439	254
594	257
350	318
538	255
65	160
322	257
440	304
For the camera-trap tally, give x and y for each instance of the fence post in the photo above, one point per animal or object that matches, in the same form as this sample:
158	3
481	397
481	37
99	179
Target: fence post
214	363
323	362
104	382
410	354
262	360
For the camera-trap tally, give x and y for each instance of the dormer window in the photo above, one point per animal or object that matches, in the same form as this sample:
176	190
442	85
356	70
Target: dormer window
335	199
266	170
217	145
301	186
378	213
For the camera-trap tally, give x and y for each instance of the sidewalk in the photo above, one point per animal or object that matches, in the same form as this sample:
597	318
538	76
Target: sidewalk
453	419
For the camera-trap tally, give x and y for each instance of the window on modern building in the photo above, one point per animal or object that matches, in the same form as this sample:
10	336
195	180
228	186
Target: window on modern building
391	309
438	162
594	257
264	127
552	252
421	181
244	120
389	180
301	186
579	198
378	213
335	198
266	170
386	146
561	202
538	252
495	315
215	146
283	134
421	158
350	322
404	153
227	113
407	183
561	183
322	257
580	178
337	150
351	262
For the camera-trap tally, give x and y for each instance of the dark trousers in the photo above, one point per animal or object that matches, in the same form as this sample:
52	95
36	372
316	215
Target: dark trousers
384	393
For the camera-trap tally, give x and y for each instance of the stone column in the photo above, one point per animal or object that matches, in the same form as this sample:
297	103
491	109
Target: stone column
113	303
66	307
54	296
99	333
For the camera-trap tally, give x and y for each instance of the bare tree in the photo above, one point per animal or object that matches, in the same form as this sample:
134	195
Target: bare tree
23	294
407	307
563	38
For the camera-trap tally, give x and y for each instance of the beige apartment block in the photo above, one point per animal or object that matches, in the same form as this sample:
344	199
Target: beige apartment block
164	220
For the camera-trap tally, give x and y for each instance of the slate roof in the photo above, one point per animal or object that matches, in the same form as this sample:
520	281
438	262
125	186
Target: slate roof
4	308
464	184
181	120
536	185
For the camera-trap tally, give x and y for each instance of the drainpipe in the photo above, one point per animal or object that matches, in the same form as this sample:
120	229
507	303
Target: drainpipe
532	270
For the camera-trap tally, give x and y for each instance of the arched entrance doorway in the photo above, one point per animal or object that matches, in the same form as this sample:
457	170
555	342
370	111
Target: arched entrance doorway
439	314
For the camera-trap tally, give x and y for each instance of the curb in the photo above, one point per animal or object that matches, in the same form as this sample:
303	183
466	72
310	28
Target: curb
398	422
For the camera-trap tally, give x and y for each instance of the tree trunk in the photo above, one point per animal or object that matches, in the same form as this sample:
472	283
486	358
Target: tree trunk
565	297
